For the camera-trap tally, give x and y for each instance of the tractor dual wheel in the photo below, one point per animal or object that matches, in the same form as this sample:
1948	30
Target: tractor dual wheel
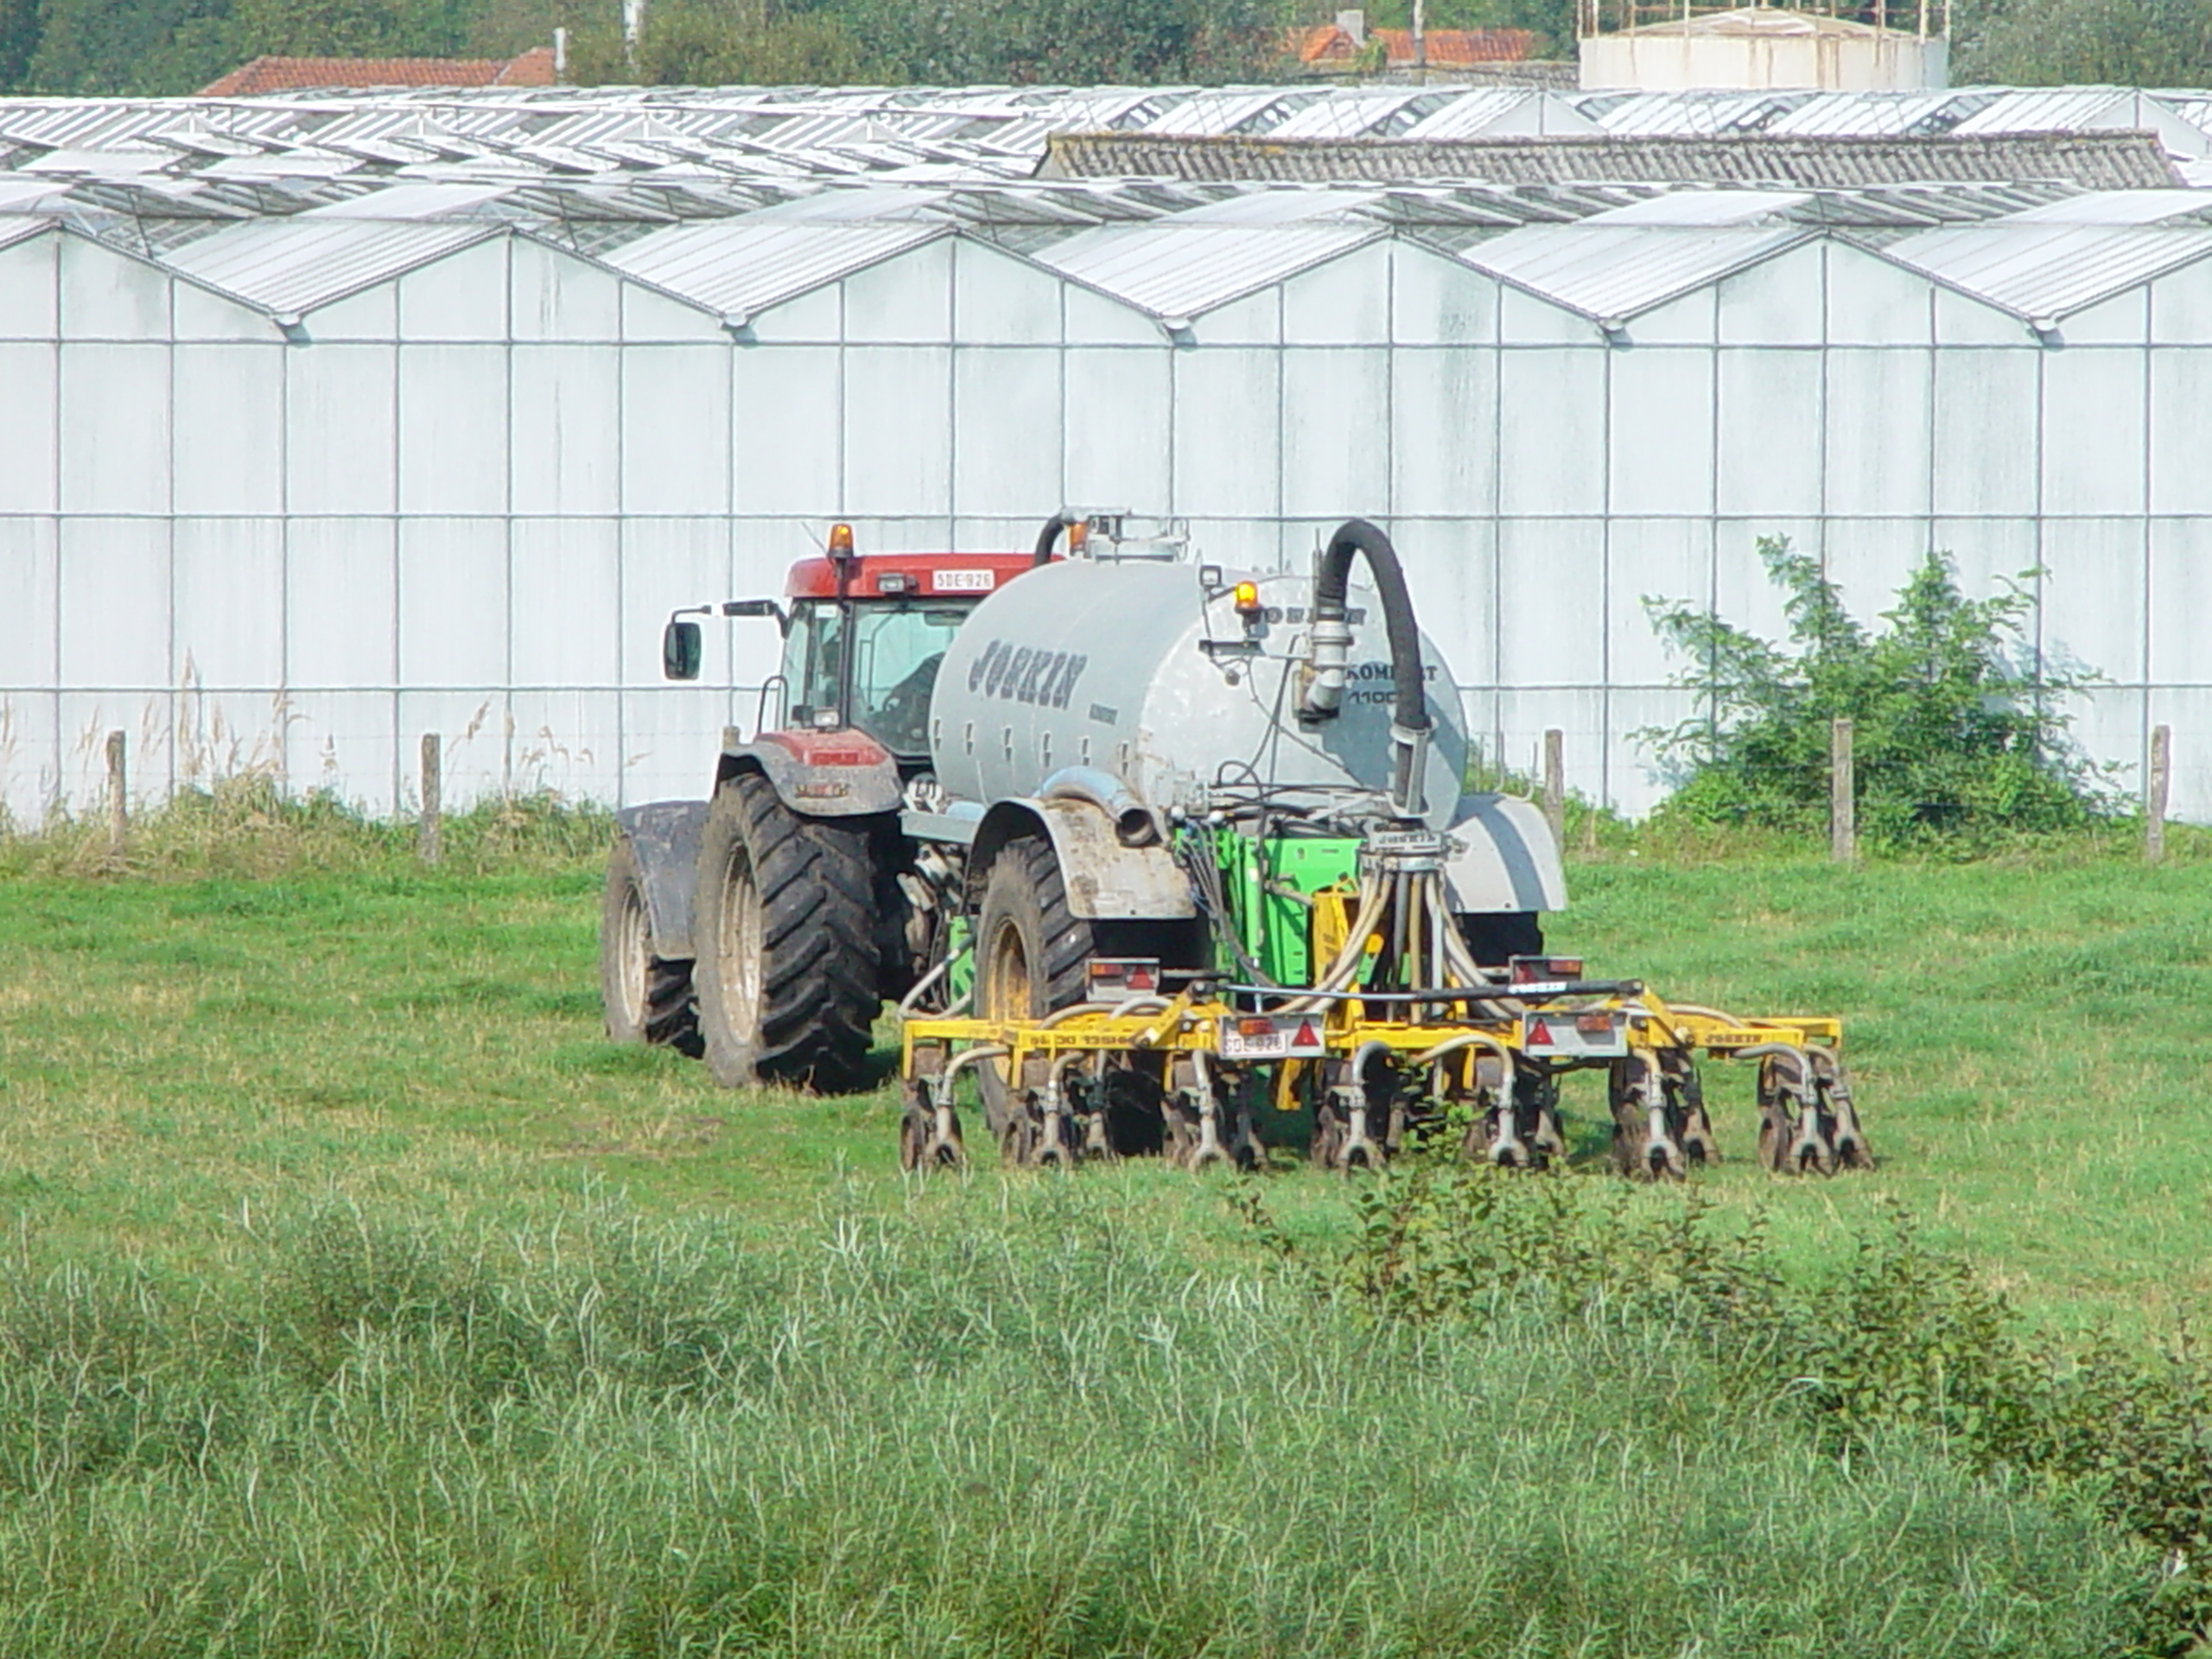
787	975
646	998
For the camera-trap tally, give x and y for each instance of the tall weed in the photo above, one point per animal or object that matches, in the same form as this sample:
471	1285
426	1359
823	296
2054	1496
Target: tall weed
1900	1338
1002	1424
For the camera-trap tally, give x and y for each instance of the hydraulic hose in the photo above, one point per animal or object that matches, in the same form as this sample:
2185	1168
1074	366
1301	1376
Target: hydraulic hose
1332	637
1048	537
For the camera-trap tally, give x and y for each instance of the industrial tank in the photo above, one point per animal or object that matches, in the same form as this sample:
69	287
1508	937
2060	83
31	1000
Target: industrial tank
1142	671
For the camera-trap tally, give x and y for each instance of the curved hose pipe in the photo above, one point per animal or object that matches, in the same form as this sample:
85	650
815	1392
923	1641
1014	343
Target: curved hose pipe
922	987
1788	1050
1704	1013
1331	636
1048	537
1338	974
1465	1040
1135	824
1134	1005
972	1056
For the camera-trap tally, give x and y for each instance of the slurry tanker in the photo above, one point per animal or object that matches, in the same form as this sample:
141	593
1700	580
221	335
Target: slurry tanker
1152	854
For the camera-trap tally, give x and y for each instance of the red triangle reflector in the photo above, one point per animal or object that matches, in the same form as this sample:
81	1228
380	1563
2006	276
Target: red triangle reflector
1540	1033
1307	1037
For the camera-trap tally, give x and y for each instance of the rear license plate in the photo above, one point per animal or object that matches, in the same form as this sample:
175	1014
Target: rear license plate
1272	1036
1584	1034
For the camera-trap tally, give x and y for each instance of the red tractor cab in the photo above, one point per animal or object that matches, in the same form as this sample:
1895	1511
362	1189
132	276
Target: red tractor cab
864	634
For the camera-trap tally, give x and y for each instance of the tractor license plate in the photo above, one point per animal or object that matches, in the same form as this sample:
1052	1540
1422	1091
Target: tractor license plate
1272	1036
1584	1034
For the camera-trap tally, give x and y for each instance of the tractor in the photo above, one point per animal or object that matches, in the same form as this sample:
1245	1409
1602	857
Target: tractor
1029	789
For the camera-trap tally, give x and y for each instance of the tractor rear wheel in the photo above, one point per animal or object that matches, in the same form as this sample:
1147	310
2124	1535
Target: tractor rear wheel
786	970
646	998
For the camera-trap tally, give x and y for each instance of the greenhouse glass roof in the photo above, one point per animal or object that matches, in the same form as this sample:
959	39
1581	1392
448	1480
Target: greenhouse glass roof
735	199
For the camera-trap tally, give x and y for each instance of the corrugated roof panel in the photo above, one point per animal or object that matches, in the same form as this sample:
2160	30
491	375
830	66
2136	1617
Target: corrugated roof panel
413	201
1650	115
288	267
2044	271
1704	207
1279	206
1613	272
1880	115
19	193
736	267
2116	207
2086	109
1484	110
2046	109
1213	112
1180	270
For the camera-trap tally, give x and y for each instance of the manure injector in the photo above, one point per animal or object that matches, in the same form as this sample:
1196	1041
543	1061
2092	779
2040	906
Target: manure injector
1147	850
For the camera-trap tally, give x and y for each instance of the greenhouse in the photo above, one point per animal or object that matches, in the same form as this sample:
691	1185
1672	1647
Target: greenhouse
325	424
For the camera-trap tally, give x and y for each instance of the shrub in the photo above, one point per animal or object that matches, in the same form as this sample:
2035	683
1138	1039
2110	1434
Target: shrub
1954	740
1898	1338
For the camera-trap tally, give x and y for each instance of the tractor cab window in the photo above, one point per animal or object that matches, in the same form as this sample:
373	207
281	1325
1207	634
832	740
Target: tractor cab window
814	662
896	652
895	647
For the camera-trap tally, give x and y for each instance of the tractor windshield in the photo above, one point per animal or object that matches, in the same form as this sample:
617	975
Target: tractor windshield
895	647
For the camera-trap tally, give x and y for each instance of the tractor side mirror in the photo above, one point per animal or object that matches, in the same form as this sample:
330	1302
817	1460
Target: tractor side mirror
680	649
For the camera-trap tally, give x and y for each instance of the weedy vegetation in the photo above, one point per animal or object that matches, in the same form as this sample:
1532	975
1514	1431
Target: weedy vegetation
1960	735
359	1298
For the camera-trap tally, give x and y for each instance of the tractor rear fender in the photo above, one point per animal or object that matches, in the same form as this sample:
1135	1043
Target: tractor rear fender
1107	882
1507	859
842	774
664	836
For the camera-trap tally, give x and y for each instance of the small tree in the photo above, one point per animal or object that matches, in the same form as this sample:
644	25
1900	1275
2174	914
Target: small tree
1953	738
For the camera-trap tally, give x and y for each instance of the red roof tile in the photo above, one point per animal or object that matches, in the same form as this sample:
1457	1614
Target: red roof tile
532	68
1447	47
1326	43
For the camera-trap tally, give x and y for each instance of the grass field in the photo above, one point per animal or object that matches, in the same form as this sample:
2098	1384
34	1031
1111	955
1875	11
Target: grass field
501	1339
2027	1041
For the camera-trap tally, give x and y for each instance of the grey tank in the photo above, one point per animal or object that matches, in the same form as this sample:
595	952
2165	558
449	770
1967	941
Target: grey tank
1105	664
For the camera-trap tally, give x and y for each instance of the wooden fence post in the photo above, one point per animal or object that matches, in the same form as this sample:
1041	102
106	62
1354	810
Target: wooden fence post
118	793
430	846
1555	785
2155	789
1843	797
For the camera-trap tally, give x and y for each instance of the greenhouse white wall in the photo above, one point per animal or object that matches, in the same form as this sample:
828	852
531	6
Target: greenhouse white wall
292	492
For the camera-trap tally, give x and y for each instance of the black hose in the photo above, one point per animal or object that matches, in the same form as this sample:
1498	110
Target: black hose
1410	708
1048	537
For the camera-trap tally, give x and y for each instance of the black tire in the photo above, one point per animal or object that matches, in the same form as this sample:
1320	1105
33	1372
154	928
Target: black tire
1032	954
787	971
645	998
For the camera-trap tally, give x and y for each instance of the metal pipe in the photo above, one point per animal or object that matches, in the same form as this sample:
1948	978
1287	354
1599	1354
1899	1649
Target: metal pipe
1134	1005
1135	824
922	986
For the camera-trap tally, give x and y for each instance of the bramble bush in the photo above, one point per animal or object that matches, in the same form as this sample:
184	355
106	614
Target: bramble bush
1954	741
1897	1338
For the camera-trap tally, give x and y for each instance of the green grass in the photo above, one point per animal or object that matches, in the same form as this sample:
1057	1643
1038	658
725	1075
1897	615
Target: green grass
364	1299
1011	1427
174	1053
